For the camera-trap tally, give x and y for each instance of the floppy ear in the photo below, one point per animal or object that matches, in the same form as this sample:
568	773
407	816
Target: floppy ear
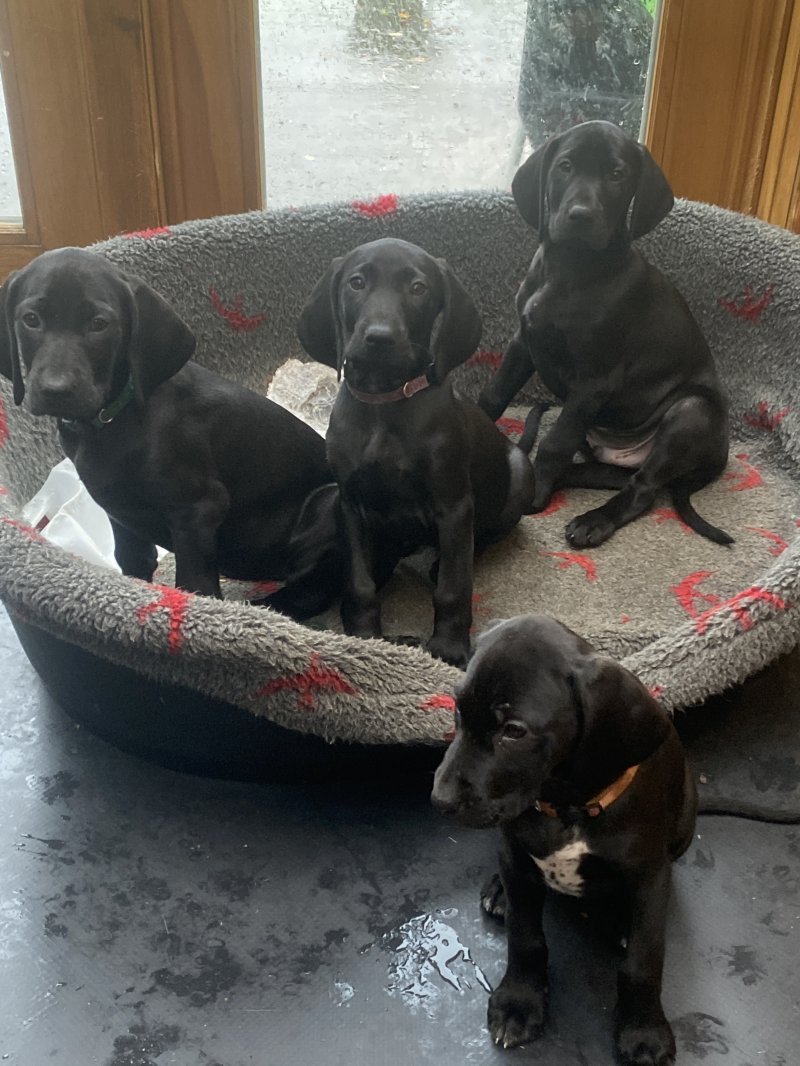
319	328
529	186
9	352
161	342
459	328
653	199
622	723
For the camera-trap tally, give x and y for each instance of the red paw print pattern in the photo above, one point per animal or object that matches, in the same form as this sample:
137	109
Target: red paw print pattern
751	307
147	234
668	514
234	313
690	596
308	683
176	603
511	427
765	419
746	477
440	701
569	559
485	358
27	531
557	501
777	544
377	208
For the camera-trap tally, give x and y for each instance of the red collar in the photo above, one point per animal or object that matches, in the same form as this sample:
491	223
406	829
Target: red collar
405	392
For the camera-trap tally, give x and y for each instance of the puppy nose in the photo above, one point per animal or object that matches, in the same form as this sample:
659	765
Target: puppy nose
379	336
580	213
56	388
443	803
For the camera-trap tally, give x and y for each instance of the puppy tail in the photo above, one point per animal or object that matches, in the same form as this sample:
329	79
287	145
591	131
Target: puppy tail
687	513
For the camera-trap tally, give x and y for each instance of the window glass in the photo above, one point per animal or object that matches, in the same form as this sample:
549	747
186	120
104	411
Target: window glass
10	209
363	97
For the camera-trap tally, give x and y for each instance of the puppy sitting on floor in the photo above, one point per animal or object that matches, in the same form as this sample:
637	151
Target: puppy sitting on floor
611	337
175	454
416	464
584	773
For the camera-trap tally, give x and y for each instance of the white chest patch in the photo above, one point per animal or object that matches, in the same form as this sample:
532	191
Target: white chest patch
561	868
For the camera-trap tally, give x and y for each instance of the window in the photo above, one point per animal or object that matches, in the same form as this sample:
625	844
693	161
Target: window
370	96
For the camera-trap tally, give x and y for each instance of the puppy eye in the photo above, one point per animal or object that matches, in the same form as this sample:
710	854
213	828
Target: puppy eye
514	730
418	288
98	324
356	282
31	320
617	174
565	165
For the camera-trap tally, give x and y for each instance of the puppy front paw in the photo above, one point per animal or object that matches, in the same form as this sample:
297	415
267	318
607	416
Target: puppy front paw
541	498
516	1013
589	530
493	898
645	1043
451	651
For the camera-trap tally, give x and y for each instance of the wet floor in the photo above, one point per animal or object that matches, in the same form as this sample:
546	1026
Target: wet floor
149	917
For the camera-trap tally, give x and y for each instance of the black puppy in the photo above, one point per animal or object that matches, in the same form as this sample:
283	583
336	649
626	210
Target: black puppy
585	775
176	455
416	464
611	337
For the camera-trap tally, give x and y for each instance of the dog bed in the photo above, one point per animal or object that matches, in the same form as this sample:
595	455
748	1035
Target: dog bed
689	617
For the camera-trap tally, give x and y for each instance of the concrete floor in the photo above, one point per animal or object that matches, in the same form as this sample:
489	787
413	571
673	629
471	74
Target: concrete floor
149	917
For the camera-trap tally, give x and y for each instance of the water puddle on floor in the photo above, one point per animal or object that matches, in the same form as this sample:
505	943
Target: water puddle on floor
426	952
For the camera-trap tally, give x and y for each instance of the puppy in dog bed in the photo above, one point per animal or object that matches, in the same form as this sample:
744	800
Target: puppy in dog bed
584	773
611	337
416	463
229	481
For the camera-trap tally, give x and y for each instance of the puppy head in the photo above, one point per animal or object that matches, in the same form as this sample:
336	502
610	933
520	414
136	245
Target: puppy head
79	326
388	312
541	715
577	187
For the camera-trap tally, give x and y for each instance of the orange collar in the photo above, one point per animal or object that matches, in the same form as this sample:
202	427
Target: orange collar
597	804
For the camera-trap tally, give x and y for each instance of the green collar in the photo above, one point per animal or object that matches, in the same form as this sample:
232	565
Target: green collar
109	413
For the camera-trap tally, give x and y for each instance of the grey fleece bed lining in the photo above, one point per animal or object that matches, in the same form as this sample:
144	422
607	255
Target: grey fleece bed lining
689	616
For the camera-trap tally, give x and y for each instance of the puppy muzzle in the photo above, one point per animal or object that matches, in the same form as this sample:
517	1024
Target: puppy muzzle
582	224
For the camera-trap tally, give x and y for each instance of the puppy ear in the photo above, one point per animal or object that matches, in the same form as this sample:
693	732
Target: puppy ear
319	328
9	352
459	328
653	199
622	723
161	342
529	186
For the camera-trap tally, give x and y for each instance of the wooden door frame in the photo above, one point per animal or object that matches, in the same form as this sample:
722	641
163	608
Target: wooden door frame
97	154
719	92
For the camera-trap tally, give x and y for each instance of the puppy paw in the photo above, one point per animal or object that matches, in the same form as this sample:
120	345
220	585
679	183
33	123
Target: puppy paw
493	898
589	530
541	498
406	640
516	1013
451	651
645	1043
